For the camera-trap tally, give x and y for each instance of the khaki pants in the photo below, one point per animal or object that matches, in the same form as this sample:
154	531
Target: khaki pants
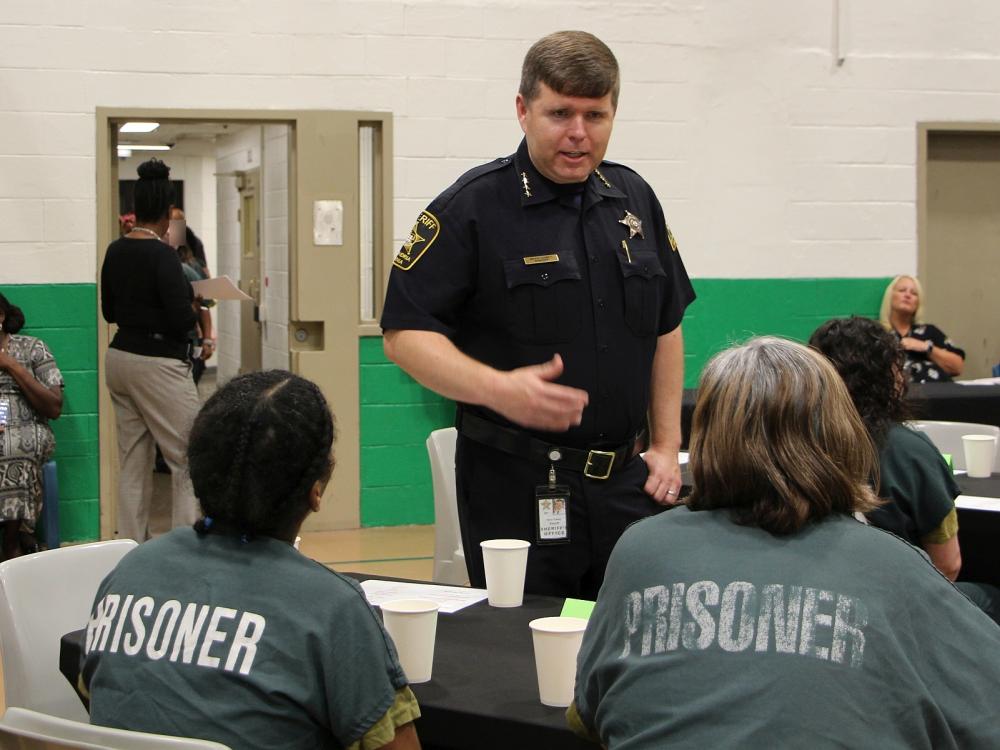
155	403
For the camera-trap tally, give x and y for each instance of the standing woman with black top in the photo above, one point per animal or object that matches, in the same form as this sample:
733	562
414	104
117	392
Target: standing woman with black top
144	291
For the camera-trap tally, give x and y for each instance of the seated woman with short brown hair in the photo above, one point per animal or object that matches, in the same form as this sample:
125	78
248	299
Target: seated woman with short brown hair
763	614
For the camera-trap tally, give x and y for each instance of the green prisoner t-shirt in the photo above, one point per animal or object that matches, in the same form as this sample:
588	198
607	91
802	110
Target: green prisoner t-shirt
708	634
252	645
921	489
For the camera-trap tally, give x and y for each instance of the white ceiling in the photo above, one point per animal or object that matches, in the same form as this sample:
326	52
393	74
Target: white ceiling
173	133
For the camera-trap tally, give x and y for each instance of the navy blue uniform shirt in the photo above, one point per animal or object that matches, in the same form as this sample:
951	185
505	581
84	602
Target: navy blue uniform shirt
514	268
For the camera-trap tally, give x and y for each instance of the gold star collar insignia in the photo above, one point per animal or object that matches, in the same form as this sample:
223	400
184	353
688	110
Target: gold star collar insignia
634	224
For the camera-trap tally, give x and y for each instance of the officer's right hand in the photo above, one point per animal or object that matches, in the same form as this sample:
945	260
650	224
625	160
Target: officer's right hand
528	397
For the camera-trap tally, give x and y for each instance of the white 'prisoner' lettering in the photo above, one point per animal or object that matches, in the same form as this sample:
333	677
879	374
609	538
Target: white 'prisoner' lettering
775	619
196	633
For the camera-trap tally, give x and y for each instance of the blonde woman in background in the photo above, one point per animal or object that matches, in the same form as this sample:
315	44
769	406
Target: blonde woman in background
931	357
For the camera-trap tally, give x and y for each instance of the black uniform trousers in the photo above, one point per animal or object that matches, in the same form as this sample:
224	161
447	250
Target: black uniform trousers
496	500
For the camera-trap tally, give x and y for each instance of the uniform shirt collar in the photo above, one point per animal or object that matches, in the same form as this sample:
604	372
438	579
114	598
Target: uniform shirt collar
543	189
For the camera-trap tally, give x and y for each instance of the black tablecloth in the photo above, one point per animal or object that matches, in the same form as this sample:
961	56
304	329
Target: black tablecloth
483	694
951	402
979	532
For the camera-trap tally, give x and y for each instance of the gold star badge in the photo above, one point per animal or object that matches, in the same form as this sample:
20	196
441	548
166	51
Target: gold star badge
527	187
634	224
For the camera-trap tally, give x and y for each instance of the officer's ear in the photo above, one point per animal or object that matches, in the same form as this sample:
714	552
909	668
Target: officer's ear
521	107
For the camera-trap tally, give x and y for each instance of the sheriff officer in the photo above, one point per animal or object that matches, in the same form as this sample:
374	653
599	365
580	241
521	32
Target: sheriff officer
544	293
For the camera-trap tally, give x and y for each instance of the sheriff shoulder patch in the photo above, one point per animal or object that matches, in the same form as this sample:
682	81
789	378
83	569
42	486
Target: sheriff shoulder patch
425	231
670	237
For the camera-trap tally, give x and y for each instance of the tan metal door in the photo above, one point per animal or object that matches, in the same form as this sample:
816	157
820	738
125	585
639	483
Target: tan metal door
251	333
960	258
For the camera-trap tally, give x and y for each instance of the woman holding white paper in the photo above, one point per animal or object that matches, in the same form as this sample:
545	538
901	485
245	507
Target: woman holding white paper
147	366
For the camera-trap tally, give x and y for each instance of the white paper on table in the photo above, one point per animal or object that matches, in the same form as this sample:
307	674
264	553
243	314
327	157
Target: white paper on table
449	598
979	381
221	287
974	502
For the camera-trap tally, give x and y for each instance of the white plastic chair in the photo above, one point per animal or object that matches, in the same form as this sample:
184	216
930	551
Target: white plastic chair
449	556
947	437
24	729
42	597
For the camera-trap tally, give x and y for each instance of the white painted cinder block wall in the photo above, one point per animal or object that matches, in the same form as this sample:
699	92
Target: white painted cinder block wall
770	159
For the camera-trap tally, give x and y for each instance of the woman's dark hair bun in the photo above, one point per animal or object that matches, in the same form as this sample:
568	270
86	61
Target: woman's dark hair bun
154	169
14	317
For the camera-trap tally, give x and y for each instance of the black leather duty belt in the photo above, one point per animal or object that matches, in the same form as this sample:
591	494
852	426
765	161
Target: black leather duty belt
593	464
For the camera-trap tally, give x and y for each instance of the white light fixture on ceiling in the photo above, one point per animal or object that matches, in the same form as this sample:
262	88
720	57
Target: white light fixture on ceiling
144	147
124	152
138	127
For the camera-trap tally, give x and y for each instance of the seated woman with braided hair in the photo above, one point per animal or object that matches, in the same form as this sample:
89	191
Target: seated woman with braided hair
224	631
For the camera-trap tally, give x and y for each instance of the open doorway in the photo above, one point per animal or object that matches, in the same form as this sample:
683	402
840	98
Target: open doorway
959	236
317	231
230	179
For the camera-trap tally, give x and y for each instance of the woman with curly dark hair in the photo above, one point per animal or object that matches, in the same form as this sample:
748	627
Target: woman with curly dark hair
913	475
225	631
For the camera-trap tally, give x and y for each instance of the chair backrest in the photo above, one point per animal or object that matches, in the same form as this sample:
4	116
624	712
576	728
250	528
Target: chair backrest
31	730
42	597
947	437
449	556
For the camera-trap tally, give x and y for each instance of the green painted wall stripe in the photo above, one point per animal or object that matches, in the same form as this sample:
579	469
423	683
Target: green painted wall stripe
397	414
65	317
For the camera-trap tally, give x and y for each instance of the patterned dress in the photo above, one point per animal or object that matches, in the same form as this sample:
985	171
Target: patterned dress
919	365
27	442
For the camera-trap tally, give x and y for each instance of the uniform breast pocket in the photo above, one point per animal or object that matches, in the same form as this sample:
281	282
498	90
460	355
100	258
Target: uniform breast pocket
643	279
544	300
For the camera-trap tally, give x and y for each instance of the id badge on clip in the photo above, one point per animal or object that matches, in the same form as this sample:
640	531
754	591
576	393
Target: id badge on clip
552	514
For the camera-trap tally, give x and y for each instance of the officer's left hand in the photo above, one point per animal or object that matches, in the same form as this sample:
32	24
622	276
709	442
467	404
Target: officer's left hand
664	482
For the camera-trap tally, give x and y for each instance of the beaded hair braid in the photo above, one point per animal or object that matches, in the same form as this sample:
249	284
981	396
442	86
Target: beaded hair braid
258	446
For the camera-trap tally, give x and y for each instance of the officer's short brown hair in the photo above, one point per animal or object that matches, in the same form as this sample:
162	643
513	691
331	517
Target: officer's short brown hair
776	439
571	63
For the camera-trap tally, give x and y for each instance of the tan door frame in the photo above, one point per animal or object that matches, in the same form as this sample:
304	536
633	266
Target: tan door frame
320	168
924	131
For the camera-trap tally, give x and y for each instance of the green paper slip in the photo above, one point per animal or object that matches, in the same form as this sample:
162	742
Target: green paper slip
947	460
577	608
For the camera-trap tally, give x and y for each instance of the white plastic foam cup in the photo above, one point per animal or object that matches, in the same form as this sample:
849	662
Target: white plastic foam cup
557	642
412	623
980	450
505	561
